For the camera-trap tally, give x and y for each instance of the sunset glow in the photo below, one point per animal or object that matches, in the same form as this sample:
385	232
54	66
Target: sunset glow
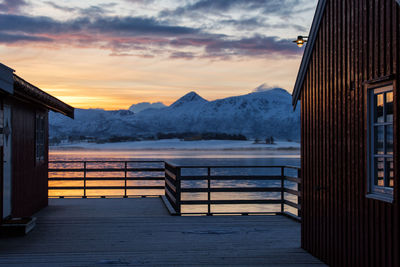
97	54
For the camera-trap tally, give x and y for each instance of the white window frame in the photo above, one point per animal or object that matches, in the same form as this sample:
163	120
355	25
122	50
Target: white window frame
383	193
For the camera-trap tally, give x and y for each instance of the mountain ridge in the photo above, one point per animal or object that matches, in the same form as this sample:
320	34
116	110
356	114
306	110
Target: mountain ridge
254	115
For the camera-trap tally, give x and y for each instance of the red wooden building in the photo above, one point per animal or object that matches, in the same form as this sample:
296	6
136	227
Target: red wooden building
348	84
24	144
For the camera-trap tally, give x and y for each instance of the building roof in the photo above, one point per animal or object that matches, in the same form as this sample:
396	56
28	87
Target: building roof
319	13
6	79
28	91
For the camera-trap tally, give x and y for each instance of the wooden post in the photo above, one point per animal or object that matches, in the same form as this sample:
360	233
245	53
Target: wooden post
282	189
84	179
208	191
126	183
299	190
178	190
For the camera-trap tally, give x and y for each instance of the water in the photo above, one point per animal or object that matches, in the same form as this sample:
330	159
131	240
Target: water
185	158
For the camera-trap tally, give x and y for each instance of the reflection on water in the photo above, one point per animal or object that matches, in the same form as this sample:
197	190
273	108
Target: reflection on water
185	156
178	157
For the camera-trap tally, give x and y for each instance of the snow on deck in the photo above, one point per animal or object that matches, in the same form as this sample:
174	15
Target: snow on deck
140	232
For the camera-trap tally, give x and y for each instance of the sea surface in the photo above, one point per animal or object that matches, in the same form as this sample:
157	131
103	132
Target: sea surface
186	157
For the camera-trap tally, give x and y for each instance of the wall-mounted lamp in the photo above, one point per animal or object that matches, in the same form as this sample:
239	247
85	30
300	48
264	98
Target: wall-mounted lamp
301	40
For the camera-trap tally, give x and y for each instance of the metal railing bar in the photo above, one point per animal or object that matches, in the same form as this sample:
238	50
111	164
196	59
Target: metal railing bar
233	177
77	179
241	201
208	191
293	179
292	204
170	174
170	185
232	213
292	167
236	166
105	161
292	216
231	189
107	170
125	180
84	180
171	197
107	196
291	191
103	187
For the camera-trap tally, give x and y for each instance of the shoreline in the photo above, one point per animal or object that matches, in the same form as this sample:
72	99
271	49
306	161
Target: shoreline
178	145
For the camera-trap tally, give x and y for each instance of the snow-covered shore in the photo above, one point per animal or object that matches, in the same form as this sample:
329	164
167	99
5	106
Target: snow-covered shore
176	144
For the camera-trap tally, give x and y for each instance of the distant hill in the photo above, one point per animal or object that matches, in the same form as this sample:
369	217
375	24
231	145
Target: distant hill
255	115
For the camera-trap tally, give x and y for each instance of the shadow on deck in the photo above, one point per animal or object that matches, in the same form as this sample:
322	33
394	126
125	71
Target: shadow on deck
140	232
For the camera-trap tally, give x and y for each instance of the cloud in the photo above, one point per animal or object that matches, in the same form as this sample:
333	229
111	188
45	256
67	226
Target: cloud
265	87
100	9
123	35
253	46
138	25
281	7
183	55
123	26
62	8
19	38
257	22
141	1
12	6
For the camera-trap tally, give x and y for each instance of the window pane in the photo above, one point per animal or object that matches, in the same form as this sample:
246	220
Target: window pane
379	108
390	172
389	139
389	107
379	171
379	149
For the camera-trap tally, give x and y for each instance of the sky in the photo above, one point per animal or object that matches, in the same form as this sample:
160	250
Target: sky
112	54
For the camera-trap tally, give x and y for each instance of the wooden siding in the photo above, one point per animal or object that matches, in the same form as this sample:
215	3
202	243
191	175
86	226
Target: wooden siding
358	41
1	167
30	184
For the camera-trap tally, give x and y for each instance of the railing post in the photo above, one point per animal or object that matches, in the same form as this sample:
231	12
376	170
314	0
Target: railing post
299	190
208	191
84	179
282	189
126	177
178	190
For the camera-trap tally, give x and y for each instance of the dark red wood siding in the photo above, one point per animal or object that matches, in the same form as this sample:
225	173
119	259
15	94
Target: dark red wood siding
30	183
358	41
1	168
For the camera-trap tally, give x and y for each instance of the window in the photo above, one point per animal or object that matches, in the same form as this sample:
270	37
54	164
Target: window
380	143
40	138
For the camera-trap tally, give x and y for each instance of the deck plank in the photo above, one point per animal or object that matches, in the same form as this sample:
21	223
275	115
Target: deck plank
139	232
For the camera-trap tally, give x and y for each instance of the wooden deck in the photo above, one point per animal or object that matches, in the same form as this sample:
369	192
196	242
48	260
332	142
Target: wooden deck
140	232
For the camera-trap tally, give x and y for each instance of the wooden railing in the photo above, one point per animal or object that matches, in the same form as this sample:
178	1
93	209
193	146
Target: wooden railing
89	179
81	174
174	188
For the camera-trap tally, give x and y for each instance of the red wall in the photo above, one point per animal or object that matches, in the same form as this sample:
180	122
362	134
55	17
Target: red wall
1	170
358	41
30	183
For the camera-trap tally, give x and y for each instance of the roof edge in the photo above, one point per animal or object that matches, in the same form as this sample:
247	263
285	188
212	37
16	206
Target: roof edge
7	68
305	61
27	90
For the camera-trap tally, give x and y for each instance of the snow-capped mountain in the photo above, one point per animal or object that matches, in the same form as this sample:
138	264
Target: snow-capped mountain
136	108
255	115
